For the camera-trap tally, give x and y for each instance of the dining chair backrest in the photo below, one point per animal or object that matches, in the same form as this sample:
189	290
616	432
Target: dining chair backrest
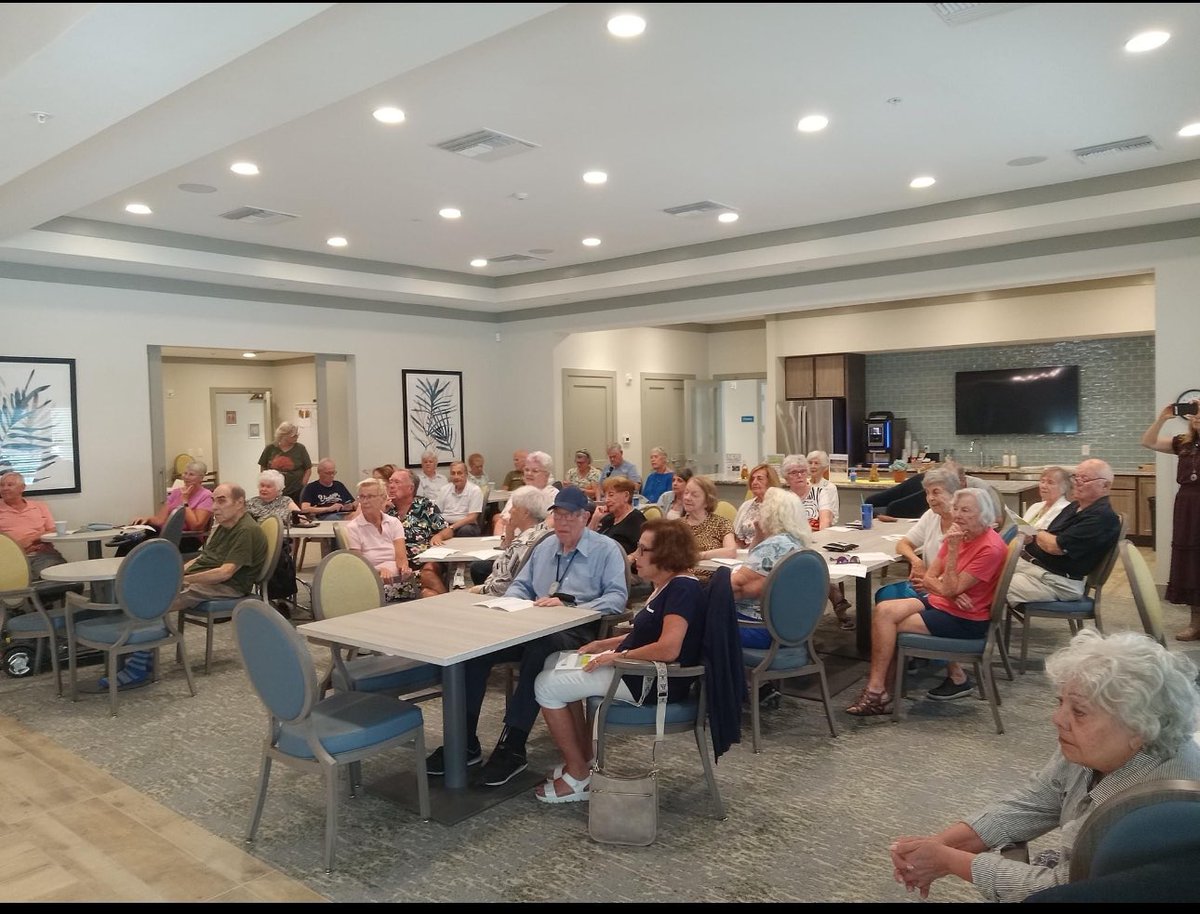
341	537
277	660
149	579
273	531
1145	591
14	567
794	596
172	530
1098	576
652	512
345	583
1000	594
726	510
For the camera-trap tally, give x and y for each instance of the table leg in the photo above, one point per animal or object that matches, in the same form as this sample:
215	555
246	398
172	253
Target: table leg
864	592
454	725
94	549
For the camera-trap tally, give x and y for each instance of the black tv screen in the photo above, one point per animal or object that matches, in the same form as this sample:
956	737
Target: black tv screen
1017	401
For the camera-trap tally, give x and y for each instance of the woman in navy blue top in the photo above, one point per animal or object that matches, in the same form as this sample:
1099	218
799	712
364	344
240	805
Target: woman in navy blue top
669	629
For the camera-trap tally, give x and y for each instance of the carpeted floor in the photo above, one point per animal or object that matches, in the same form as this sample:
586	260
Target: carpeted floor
810	817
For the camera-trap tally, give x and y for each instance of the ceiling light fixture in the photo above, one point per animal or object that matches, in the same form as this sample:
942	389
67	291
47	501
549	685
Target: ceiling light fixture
728	217
479	262
449	212
1146	41
337	241
244	168
626	25
591	242
595	177
1191	130
138	209
249	355
812	123
388	115
924	181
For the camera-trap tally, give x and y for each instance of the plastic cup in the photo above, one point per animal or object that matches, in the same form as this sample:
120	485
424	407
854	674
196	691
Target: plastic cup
868	516
60	527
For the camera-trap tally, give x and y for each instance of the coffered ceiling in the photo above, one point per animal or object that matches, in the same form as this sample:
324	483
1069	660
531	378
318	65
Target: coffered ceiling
104	105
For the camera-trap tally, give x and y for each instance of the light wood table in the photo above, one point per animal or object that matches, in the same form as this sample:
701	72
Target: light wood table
99	573
448	630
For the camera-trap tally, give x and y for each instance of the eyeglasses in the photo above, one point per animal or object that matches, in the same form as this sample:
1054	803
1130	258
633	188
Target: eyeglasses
1080	480
644	550
845	560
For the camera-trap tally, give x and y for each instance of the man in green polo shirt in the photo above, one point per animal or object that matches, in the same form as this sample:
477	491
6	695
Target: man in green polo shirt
225	569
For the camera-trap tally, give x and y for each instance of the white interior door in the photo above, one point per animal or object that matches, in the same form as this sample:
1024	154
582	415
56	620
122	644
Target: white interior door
240	432
703	431
663	408
589	415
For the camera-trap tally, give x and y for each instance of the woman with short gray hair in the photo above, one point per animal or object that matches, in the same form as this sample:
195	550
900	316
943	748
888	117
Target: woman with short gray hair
197	504
1054	486
526	525
1126	715
272	502
290	458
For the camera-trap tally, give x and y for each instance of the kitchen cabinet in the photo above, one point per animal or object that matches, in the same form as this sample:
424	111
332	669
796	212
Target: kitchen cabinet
1146	487
832	376
799	380
1123	498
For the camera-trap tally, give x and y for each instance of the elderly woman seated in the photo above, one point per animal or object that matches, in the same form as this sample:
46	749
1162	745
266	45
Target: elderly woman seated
197	504
668	629
526	525
781	529
1055	488
805	478
762	477
379	538
271	502
956	603
1127	712
920	545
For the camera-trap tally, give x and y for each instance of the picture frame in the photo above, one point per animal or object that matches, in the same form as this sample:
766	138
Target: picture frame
39	423
231	417
433	415
254	430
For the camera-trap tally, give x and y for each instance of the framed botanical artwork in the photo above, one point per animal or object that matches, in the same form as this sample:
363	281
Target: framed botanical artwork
39	423
433	415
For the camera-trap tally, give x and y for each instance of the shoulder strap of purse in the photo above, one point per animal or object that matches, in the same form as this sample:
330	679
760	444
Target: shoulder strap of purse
660	715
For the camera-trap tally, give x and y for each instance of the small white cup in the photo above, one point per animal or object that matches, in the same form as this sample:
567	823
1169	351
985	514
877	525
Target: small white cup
60	527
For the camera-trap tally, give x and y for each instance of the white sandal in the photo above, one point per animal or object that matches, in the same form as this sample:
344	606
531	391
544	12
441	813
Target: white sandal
560	768
580	791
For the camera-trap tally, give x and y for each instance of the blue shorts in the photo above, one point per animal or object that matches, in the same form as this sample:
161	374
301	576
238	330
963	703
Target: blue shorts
943	625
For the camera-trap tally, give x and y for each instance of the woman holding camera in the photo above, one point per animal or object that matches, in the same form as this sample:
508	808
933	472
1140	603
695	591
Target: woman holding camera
1184	584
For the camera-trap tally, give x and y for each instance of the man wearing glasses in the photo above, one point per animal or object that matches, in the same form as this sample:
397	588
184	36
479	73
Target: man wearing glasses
576	566
1056	560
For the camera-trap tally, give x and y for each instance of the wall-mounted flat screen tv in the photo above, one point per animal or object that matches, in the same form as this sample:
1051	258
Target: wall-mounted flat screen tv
1017	401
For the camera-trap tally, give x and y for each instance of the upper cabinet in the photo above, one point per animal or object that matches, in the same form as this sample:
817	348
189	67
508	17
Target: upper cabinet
806	376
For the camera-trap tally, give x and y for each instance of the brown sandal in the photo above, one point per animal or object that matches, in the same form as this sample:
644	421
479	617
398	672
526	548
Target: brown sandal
870	704
840	609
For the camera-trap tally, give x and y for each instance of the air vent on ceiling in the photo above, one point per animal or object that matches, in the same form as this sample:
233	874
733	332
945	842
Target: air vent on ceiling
486	145
702	208
254	215
958	13
515	258
1133	144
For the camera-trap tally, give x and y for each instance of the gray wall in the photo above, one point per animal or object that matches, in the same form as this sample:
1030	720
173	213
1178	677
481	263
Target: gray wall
1116	398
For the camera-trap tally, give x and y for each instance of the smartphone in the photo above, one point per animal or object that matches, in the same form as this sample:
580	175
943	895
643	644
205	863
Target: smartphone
1186	409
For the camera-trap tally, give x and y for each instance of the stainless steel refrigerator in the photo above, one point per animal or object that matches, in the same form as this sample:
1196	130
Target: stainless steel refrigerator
810	425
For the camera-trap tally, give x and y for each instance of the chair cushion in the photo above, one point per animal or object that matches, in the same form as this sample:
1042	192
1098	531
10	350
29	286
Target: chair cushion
1084	605
621	714
214	607
387	674
788	658
104	631
351	720
933	643
33	625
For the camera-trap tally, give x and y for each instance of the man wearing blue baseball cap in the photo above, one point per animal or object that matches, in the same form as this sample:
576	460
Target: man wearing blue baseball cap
576	566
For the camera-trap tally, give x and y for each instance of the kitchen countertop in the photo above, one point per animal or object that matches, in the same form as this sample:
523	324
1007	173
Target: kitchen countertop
1038	469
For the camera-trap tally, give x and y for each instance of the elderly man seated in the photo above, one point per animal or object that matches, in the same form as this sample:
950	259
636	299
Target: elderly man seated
461	504
956	603
326	498
576	566
1056	560
25	520
619	466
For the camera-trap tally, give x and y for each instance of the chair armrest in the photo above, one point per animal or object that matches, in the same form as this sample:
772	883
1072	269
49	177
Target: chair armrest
76	601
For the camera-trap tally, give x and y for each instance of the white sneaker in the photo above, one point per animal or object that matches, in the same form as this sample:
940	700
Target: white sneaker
460	580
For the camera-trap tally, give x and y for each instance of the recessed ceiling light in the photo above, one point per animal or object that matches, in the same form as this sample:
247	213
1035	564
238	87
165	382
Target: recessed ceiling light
1191	130
812	123
249	355
244	168
924	181
728	217
138	209
449	212
1146	41
479	262
388	115
595	177
626	25
337	241
591	242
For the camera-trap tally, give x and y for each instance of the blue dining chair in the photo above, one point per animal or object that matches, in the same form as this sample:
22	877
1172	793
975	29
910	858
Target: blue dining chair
979	652
315	734
147	583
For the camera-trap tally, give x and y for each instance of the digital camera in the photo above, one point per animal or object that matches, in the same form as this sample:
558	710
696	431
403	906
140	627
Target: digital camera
1186	409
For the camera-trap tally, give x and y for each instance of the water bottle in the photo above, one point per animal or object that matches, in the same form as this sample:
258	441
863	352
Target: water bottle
868	516
854	474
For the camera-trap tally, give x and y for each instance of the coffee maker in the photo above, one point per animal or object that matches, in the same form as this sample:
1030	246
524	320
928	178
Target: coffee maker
885	437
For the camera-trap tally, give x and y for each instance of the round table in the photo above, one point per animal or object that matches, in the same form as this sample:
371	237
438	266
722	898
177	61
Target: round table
93	539
100	573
